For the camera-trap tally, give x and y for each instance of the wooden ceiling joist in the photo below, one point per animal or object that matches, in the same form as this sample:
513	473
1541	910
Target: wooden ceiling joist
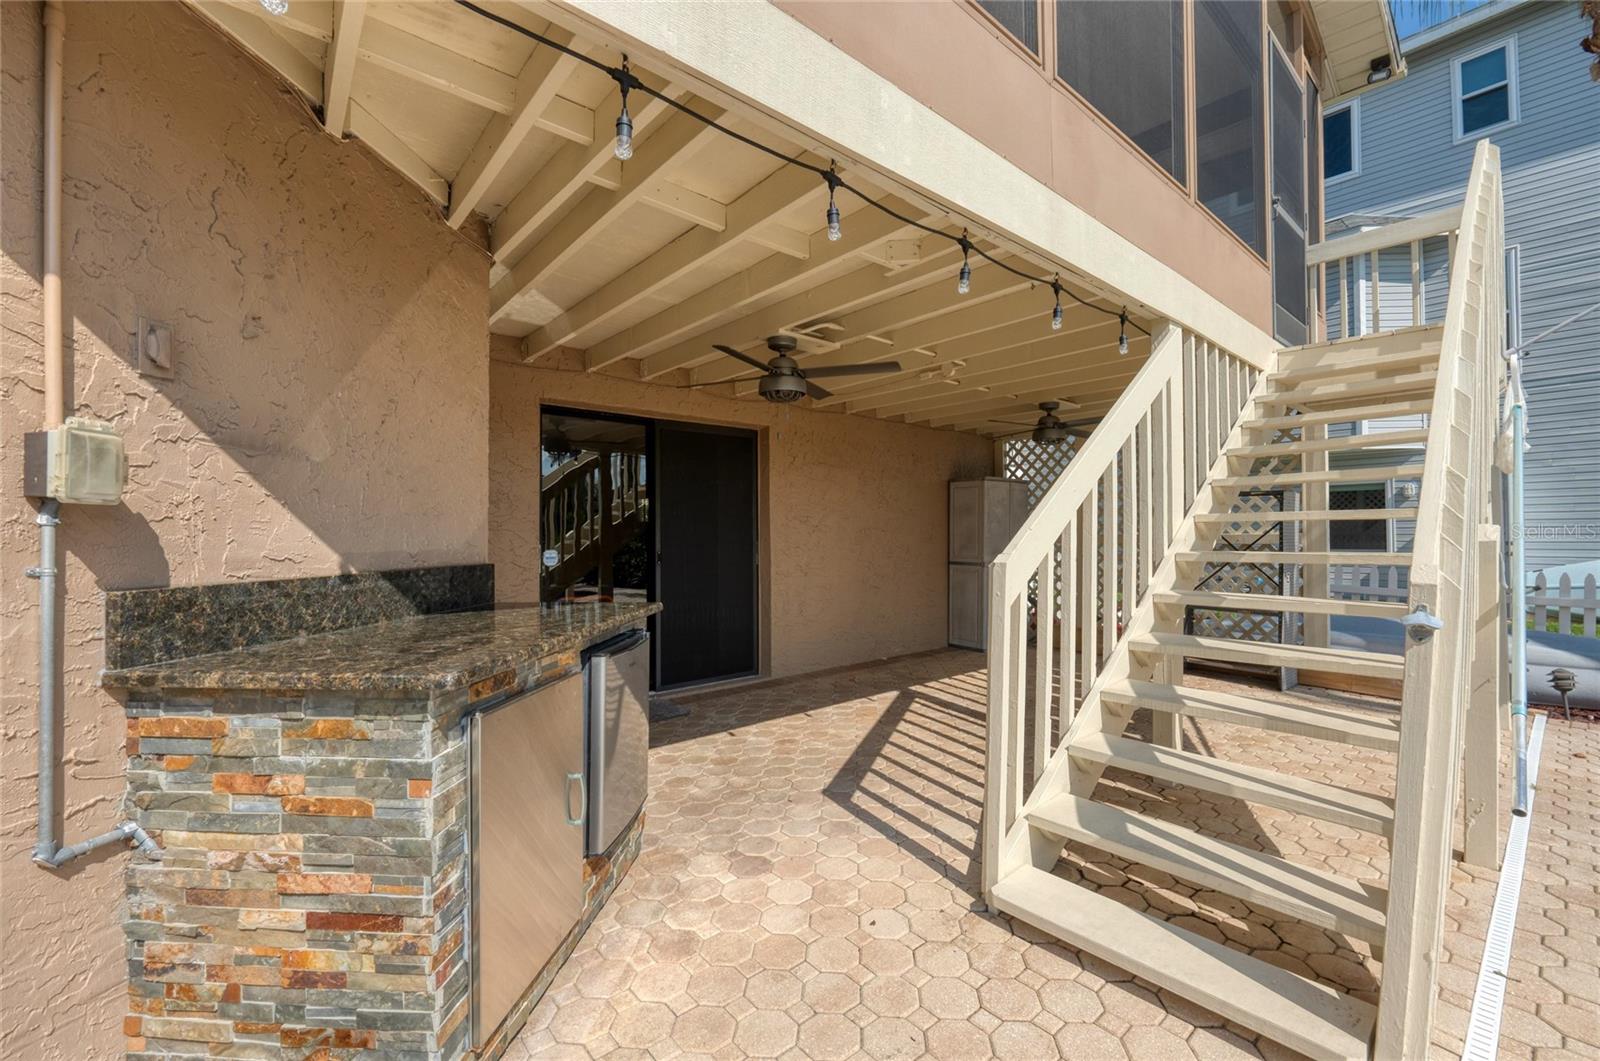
1083	392
1058	360
686	323
745	217
1001	349
536	87
559	181
678	136
339	68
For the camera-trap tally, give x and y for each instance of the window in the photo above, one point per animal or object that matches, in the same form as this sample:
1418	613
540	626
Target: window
1126	58
1230	133
1341	142
1019	17
1486	89
1358	534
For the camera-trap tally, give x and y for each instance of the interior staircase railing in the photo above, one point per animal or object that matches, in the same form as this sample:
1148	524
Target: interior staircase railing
1092	545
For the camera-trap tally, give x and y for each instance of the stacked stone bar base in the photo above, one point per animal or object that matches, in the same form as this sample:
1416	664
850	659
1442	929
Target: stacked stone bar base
312	902
312	897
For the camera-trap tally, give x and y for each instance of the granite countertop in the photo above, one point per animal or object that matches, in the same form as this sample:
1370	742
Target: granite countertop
424	653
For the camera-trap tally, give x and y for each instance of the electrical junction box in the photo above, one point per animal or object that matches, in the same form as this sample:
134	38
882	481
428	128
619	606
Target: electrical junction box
82	462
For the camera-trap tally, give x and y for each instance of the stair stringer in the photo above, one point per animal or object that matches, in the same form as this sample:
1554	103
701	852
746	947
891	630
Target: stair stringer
1094	716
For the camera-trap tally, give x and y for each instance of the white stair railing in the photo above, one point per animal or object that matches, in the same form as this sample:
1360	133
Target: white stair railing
1091	544
1447	577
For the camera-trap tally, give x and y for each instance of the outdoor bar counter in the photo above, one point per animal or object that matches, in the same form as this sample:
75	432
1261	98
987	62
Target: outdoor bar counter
308	787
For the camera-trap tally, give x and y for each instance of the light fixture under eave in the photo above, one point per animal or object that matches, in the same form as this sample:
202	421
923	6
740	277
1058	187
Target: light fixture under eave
1122	334
1380	69
275	7
624	145
964	280
1050	431
834	231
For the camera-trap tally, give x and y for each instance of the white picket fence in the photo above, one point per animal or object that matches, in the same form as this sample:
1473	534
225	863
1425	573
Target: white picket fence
1576	608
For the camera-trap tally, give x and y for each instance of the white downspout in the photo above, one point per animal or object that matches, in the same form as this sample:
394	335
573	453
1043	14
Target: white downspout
46	849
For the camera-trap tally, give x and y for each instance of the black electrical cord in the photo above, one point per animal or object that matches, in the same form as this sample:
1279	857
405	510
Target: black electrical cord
627	82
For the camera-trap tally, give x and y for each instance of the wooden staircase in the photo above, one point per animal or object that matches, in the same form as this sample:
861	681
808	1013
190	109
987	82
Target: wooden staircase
1134	524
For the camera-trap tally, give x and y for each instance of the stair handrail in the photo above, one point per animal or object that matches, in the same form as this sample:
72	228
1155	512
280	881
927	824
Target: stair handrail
1125	493
1453	512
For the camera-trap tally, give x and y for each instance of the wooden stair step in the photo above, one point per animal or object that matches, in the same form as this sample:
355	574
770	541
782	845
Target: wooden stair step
1264	653
1272	602
1295	559
1252	784
1408	383
1368	440
1377	474
1321	722
1307	515
1340	904
1375	411
1407	337
1362	361
1301	1014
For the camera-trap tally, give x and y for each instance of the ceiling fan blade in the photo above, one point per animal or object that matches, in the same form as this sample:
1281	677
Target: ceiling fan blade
746	358
865	369
719	382
816	391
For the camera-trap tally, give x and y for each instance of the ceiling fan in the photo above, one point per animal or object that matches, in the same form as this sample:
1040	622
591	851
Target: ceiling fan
1049	429
782	378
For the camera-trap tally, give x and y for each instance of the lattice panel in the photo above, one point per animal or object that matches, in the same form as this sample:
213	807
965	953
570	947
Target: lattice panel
1263	534
1040	465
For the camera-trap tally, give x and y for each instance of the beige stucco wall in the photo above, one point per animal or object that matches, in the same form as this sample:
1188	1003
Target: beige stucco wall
853	510
329	412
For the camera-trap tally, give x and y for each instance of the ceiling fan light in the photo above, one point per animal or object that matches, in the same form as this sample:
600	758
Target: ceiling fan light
1051	434
781	389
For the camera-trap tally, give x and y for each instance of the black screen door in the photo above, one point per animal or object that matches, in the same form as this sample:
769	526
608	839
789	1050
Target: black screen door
705	497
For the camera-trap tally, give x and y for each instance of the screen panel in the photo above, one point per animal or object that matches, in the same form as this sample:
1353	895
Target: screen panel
1230	133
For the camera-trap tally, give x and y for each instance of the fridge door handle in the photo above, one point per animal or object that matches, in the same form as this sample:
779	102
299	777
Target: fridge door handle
583	797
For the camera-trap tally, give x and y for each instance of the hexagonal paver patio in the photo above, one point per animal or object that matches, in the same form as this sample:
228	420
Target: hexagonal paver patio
808	889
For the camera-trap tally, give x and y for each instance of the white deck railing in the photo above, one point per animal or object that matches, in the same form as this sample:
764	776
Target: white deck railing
1094	541
1450	581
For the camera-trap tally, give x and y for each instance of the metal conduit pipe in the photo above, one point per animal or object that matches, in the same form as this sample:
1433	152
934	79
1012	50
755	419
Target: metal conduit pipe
46	851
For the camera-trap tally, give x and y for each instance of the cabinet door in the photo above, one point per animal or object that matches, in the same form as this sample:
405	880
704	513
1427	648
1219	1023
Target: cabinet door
969	605
527	842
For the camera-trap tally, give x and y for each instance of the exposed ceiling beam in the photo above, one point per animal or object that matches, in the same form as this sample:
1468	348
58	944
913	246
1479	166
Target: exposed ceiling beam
367	127
542	76
913	325
1087	394
1013	345
259	37
744	217
692	325
339	66
678	137
567	174
1051	359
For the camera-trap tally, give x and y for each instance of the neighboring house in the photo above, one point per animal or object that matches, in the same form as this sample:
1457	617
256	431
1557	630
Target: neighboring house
384	314
1506	71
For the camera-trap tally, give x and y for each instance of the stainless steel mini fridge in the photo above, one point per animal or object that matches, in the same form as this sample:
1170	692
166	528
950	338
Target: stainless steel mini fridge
617	686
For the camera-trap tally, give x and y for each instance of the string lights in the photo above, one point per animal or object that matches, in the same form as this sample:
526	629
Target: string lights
623	150
624	146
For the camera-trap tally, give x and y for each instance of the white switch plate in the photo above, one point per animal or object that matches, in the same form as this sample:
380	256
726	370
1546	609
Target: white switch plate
154	351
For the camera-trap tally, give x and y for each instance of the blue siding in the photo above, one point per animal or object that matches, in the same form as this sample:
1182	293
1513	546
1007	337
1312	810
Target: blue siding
1410	164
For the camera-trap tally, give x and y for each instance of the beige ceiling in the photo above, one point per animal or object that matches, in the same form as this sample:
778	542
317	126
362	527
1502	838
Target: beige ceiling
698	239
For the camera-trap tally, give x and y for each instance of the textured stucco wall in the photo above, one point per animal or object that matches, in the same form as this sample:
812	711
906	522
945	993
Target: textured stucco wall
853	510
329	411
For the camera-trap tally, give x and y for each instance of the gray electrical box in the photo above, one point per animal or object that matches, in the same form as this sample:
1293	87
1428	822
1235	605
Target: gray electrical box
82	462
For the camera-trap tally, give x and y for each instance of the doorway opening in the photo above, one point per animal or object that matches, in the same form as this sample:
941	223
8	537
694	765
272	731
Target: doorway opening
640	509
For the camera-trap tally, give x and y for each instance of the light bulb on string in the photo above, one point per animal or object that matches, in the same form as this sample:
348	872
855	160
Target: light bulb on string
1122	334
624	146
964	280
1055	314
834	231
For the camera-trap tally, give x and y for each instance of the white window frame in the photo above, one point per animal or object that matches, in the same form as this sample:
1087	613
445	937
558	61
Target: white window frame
1513	102
1354	107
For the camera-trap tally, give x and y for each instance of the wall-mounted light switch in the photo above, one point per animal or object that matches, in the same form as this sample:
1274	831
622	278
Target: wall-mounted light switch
153	349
